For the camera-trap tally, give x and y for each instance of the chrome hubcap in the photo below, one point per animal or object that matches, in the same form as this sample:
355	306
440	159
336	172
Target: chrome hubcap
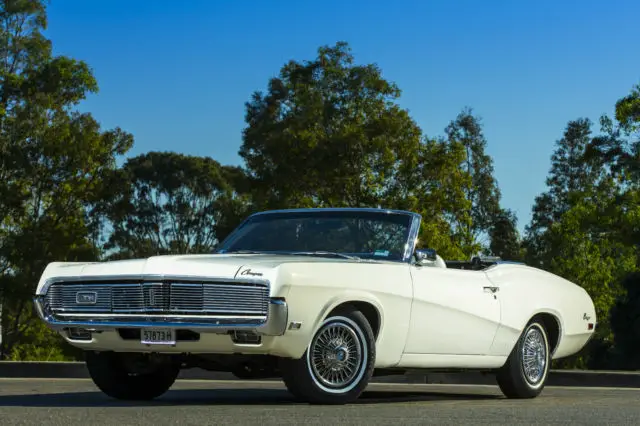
336	355
534	356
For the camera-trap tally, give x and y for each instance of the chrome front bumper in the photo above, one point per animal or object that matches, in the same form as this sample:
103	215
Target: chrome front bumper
273	324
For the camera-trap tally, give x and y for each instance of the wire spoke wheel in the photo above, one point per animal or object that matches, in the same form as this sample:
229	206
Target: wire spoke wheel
337	356
338	362
525	372
534	356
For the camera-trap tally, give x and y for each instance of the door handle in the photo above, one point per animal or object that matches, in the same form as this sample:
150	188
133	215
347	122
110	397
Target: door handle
491	289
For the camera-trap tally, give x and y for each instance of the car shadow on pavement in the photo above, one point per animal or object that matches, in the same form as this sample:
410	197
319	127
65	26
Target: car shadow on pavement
220	396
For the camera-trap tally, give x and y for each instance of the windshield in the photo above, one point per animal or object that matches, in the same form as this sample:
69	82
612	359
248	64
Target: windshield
365	234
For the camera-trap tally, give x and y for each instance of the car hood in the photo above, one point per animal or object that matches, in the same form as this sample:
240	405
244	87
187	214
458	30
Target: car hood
225	266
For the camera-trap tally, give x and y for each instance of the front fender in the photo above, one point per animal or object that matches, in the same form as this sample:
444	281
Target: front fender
347	297
310	306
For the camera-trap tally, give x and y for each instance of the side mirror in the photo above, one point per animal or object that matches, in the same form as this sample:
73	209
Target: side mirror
423	255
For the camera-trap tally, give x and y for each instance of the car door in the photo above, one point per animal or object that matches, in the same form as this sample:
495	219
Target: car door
453	312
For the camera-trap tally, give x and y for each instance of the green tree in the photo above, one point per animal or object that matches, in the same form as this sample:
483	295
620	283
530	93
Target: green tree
168	203
329	132
53	160
504	236
575	229
628	110
435	189
482	190
588	251
572	178
618	148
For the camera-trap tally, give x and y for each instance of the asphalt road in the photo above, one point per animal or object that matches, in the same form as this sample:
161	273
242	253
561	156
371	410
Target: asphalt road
71	402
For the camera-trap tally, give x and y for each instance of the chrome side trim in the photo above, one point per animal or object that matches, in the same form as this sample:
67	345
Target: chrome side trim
274	324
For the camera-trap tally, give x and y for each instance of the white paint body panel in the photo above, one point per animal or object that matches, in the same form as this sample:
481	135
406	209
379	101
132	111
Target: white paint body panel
452	312
430	317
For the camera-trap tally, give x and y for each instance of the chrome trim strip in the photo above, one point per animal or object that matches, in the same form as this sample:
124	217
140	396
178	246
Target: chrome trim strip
273	325
503	262
335	209
150	316
412	240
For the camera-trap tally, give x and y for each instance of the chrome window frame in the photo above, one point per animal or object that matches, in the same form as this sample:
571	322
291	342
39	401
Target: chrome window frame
410	243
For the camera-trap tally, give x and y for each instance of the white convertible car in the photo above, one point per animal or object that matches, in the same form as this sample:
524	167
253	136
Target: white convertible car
323	299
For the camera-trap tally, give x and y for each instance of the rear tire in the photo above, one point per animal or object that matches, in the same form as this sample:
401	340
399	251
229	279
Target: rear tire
527	368
114	377
338	363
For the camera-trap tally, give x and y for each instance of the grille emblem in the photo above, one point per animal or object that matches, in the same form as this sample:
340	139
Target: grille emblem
152	297
155	295
86	298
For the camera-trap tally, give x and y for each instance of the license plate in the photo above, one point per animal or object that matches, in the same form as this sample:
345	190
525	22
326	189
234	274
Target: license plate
157	336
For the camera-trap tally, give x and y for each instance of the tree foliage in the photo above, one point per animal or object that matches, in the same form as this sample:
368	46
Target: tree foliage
628	110
435	190
504	236
328	133
585	227
572	178
165	203
53	160
482	190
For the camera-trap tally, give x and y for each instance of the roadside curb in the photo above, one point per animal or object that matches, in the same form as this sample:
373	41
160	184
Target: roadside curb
574	378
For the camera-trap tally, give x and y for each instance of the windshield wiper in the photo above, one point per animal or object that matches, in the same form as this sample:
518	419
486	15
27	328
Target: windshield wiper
325	253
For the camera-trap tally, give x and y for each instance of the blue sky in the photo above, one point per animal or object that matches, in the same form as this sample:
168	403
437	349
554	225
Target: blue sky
177	74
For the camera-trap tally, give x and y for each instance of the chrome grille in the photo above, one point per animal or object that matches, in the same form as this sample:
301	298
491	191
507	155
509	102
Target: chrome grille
126	298
216	298
61	298
183	298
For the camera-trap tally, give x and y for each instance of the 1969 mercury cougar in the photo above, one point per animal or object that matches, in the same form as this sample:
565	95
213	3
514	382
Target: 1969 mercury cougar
321	298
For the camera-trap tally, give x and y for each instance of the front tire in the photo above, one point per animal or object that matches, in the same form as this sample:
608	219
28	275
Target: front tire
338	363
131	377
527	368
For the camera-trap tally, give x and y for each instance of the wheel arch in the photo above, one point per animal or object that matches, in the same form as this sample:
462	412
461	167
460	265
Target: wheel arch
368	309
365	302
553	326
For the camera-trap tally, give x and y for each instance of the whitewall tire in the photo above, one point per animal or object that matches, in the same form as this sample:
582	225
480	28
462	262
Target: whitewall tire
338	363
526	371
